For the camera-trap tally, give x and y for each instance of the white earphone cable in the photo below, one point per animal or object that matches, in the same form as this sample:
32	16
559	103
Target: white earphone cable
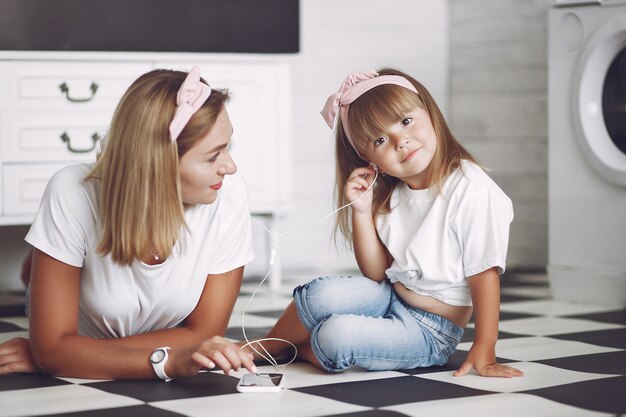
266	355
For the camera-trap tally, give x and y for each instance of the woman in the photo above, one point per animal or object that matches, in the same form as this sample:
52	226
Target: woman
138	259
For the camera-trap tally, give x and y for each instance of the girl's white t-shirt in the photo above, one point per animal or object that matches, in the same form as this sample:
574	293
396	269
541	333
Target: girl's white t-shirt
119	301
438	241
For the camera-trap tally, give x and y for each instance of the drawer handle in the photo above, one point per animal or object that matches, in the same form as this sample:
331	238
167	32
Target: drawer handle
66	90
66	138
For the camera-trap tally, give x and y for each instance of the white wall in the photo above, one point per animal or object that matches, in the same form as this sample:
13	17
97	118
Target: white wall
339	37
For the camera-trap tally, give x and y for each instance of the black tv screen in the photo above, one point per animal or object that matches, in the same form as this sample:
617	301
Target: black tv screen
238	26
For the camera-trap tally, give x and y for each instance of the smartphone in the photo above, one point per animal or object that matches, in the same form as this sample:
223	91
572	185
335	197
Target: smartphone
261	383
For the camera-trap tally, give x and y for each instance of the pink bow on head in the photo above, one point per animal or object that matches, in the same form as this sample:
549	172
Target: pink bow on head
352	88
192	94
329	112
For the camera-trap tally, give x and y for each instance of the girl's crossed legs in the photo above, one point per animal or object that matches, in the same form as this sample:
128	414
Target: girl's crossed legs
338	322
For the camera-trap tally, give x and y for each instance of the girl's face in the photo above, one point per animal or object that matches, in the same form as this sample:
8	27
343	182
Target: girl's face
405	148
204	166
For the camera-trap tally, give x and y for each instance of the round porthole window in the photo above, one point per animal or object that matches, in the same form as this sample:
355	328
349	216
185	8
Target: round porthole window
600	100
614	101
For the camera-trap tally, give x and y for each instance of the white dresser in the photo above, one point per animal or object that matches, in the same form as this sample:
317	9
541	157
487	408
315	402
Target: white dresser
54	107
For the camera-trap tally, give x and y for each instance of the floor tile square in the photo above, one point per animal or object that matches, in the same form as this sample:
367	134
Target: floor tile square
385	392
11	304
10	335
539	347
134	411
514	298
250	319
527	292
59	399
262	302
236	333
12	311
553	308
19	321
203	384
6	327
617	317
615	338
371	413
604	395
547	326
536	376
525	278
270	314
469	334
28	381
508	316
604	363
286	403
285	290
494	405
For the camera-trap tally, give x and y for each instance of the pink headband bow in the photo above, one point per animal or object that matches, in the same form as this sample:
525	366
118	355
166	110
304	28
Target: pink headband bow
192	94
352	88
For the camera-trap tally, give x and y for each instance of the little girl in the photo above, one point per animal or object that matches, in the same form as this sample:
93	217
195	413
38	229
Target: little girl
430	240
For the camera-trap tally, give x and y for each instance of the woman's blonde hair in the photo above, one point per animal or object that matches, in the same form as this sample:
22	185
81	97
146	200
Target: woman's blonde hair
140	203
368	116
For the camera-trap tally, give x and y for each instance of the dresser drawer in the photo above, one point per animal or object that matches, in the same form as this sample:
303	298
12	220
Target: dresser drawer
23	185
50	137
69	85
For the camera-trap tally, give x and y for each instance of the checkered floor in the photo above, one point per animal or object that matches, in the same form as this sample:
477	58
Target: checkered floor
574	358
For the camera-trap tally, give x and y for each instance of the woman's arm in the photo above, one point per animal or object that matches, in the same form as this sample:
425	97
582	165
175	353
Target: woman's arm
58	349
485	289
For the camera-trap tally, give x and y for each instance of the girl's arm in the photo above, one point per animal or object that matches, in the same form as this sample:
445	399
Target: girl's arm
485	289
371	255
57	348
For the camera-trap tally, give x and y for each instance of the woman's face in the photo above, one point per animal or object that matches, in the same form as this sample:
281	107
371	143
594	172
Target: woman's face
405	148
205	165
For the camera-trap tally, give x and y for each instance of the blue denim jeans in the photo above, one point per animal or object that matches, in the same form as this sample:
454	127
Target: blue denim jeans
355	321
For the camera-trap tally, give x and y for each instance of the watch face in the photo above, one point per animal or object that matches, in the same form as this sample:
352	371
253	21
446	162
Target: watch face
157	356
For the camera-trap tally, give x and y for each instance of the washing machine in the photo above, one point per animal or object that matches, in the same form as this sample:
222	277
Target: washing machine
587	151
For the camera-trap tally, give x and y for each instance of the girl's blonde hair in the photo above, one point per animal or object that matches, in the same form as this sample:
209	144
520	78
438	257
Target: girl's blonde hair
368	116
140	203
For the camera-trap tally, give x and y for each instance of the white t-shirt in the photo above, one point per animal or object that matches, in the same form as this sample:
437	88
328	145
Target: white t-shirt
437	241
116	300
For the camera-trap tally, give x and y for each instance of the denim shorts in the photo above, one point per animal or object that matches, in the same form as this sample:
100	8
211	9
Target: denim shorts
355	321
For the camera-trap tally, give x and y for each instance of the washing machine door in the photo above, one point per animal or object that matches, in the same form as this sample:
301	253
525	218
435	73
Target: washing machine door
600	100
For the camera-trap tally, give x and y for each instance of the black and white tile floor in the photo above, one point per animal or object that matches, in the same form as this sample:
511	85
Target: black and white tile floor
573	355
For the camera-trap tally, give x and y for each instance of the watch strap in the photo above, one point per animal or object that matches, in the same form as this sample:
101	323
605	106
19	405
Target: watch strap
159	367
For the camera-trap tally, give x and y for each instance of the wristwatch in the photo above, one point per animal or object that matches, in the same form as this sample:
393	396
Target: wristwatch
158	359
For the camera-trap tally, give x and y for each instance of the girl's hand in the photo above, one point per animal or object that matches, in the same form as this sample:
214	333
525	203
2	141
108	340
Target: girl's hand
15	357
215	352
359	181
483	360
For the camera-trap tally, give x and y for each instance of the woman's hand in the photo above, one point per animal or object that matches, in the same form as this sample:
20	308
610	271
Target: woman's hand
483	360
359	181
15	357
215	352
